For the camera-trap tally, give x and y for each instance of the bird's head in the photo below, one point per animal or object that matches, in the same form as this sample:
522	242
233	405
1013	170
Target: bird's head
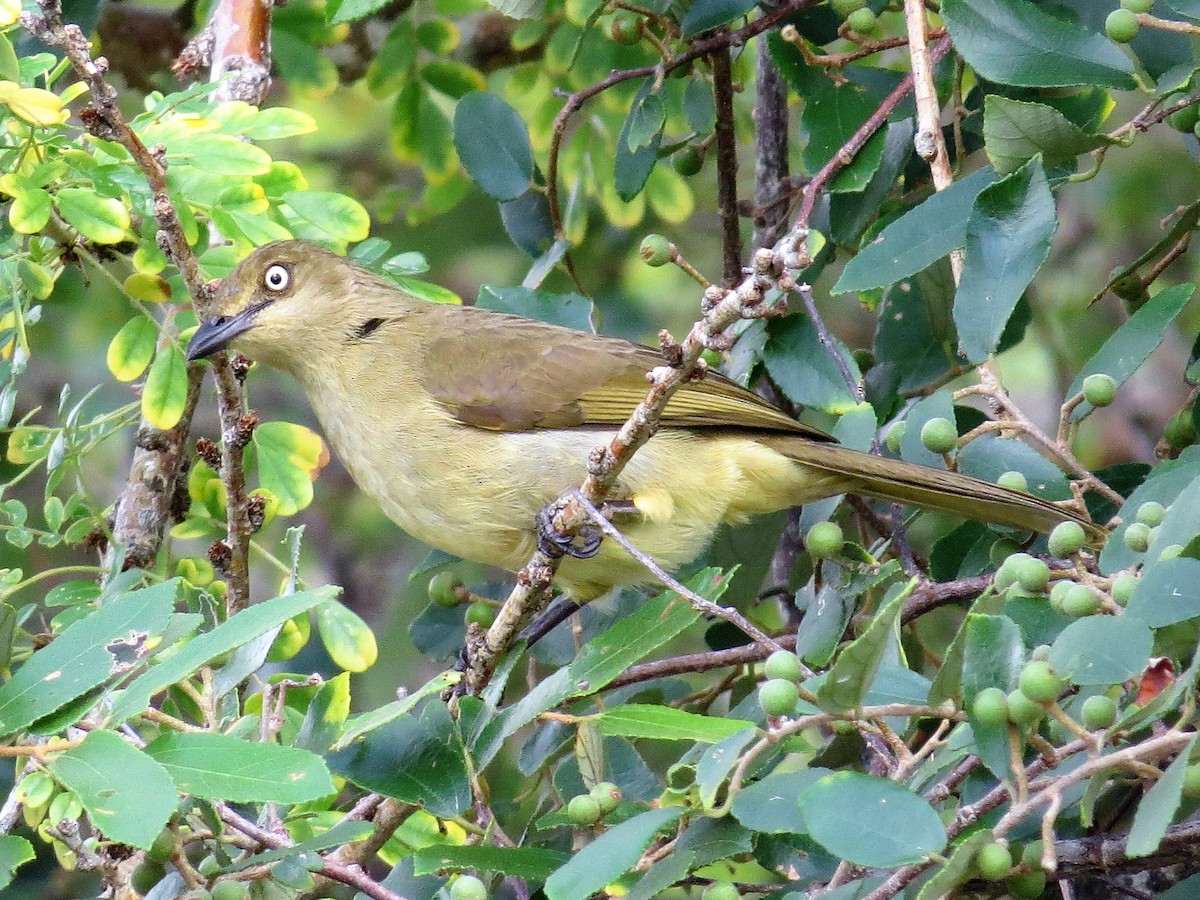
279	304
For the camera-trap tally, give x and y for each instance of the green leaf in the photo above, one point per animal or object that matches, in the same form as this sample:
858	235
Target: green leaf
871	821
1008	239
832	114
219	154
1189	9
14	852
85	655
1019	43
339	11
347	638
848	681
917	239
132	348
990	457
825	619
646	121
608	857
223	767
631	167
104	220
1102	649
569	310
30	211
164	396
804	370
1129	346
493	144
289	458
344	832
530	863
1015	132
993	654
709	840
718	761
703	15
340	217
454	79
665	723
770	805
1165	484
1157	809
359	725
957	869
413	760
699	106
326	715
127	794
229	635
1167	593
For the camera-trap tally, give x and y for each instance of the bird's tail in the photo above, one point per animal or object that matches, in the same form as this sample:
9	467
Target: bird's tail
936	489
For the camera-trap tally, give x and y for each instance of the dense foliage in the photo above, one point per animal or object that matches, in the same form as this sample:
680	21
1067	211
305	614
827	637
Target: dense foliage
993	201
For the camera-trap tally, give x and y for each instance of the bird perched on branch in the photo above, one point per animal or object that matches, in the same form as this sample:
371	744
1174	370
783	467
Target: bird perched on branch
462	423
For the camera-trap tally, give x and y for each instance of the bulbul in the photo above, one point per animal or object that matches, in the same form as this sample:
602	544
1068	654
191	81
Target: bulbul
462	423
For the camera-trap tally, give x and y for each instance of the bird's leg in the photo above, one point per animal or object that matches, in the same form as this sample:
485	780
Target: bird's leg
554	543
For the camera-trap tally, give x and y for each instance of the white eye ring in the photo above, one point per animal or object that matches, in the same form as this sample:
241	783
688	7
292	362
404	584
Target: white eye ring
276	278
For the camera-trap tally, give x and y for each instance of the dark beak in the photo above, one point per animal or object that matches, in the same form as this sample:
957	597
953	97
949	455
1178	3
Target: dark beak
216	333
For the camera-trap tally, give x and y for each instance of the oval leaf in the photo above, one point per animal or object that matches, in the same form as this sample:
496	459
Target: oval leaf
493	144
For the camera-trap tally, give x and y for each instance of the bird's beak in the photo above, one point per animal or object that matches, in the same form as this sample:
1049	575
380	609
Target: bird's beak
216	333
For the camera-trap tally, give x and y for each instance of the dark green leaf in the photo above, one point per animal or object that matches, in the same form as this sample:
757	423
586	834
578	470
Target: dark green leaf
703	15
1165	484
1157	809
771	805
530	863
717	762
664	723
832	114
1017	131
699	106
993	654
804	370
1008	238
1168	592
493	144
568	310
1102	649
646	120
847	682
990	457
631	167
1019	43
871	821
609	856
713	839
14	852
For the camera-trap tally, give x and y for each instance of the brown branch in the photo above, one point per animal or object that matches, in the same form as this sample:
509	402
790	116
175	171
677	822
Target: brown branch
241	48
727	169
770	148
699	662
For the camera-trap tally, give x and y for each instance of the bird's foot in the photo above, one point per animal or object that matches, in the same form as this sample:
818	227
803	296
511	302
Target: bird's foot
554	543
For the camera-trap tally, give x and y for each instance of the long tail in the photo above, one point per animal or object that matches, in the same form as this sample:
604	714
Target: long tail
937	489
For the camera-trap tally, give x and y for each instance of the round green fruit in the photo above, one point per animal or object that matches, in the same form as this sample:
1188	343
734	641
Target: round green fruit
1100	389
862	21
1039	682
442	589
991	706
468	887
1151	513
1014	481
1022	710
481	613
1067	538
1137	6
608	795
230	890
655	250
1002	549
146	876
778	696
824	540
624	29
1027	886
1098	712
939	435
688	162
895	435
1123	587
1137	537
1122	25
1031	573
584	810
843	8
1079	601
720	890
1191	781
993	861
783	664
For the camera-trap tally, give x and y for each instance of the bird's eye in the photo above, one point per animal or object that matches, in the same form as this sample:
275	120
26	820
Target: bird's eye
277	277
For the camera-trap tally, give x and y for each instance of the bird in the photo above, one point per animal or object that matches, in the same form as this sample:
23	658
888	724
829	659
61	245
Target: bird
463	423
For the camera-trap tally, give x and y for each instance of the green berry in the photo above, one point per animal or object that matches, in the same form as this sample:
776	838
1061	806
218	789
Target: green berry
1122	25
1171	551
210	867
1023	711
1191	781
1002	549
1151	513
720	890
863	358
993	861
146	876
1182	119
991	706
824	540
1014	481
655	250
1067	538
442	589
162	848
1123	587
778	696
939	435
1031	855
230	890
1079	601
624	29
1031	573
1098	712
1099	389
895	435
608	795
1137	6
862	21
688	161
843	8
1029	885
481	613
468	887
1137	537
783	664
1180	432
1039	682
584	810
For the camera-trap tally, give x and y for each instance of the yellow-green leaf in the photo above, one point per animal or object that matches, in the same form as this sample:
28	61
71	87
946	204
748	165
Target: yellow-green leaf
37	106
30	211
289	459
132	349
29	443
669	195
346	637
104	220
147	288
165	393
337	215
10	11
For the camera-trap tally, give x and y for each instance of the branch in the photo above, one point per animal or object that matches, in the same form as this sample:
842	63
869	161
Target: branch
727	169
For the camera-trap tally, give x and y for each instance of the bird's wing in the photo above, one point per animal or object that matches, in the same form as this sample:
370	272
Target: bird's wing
481	366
